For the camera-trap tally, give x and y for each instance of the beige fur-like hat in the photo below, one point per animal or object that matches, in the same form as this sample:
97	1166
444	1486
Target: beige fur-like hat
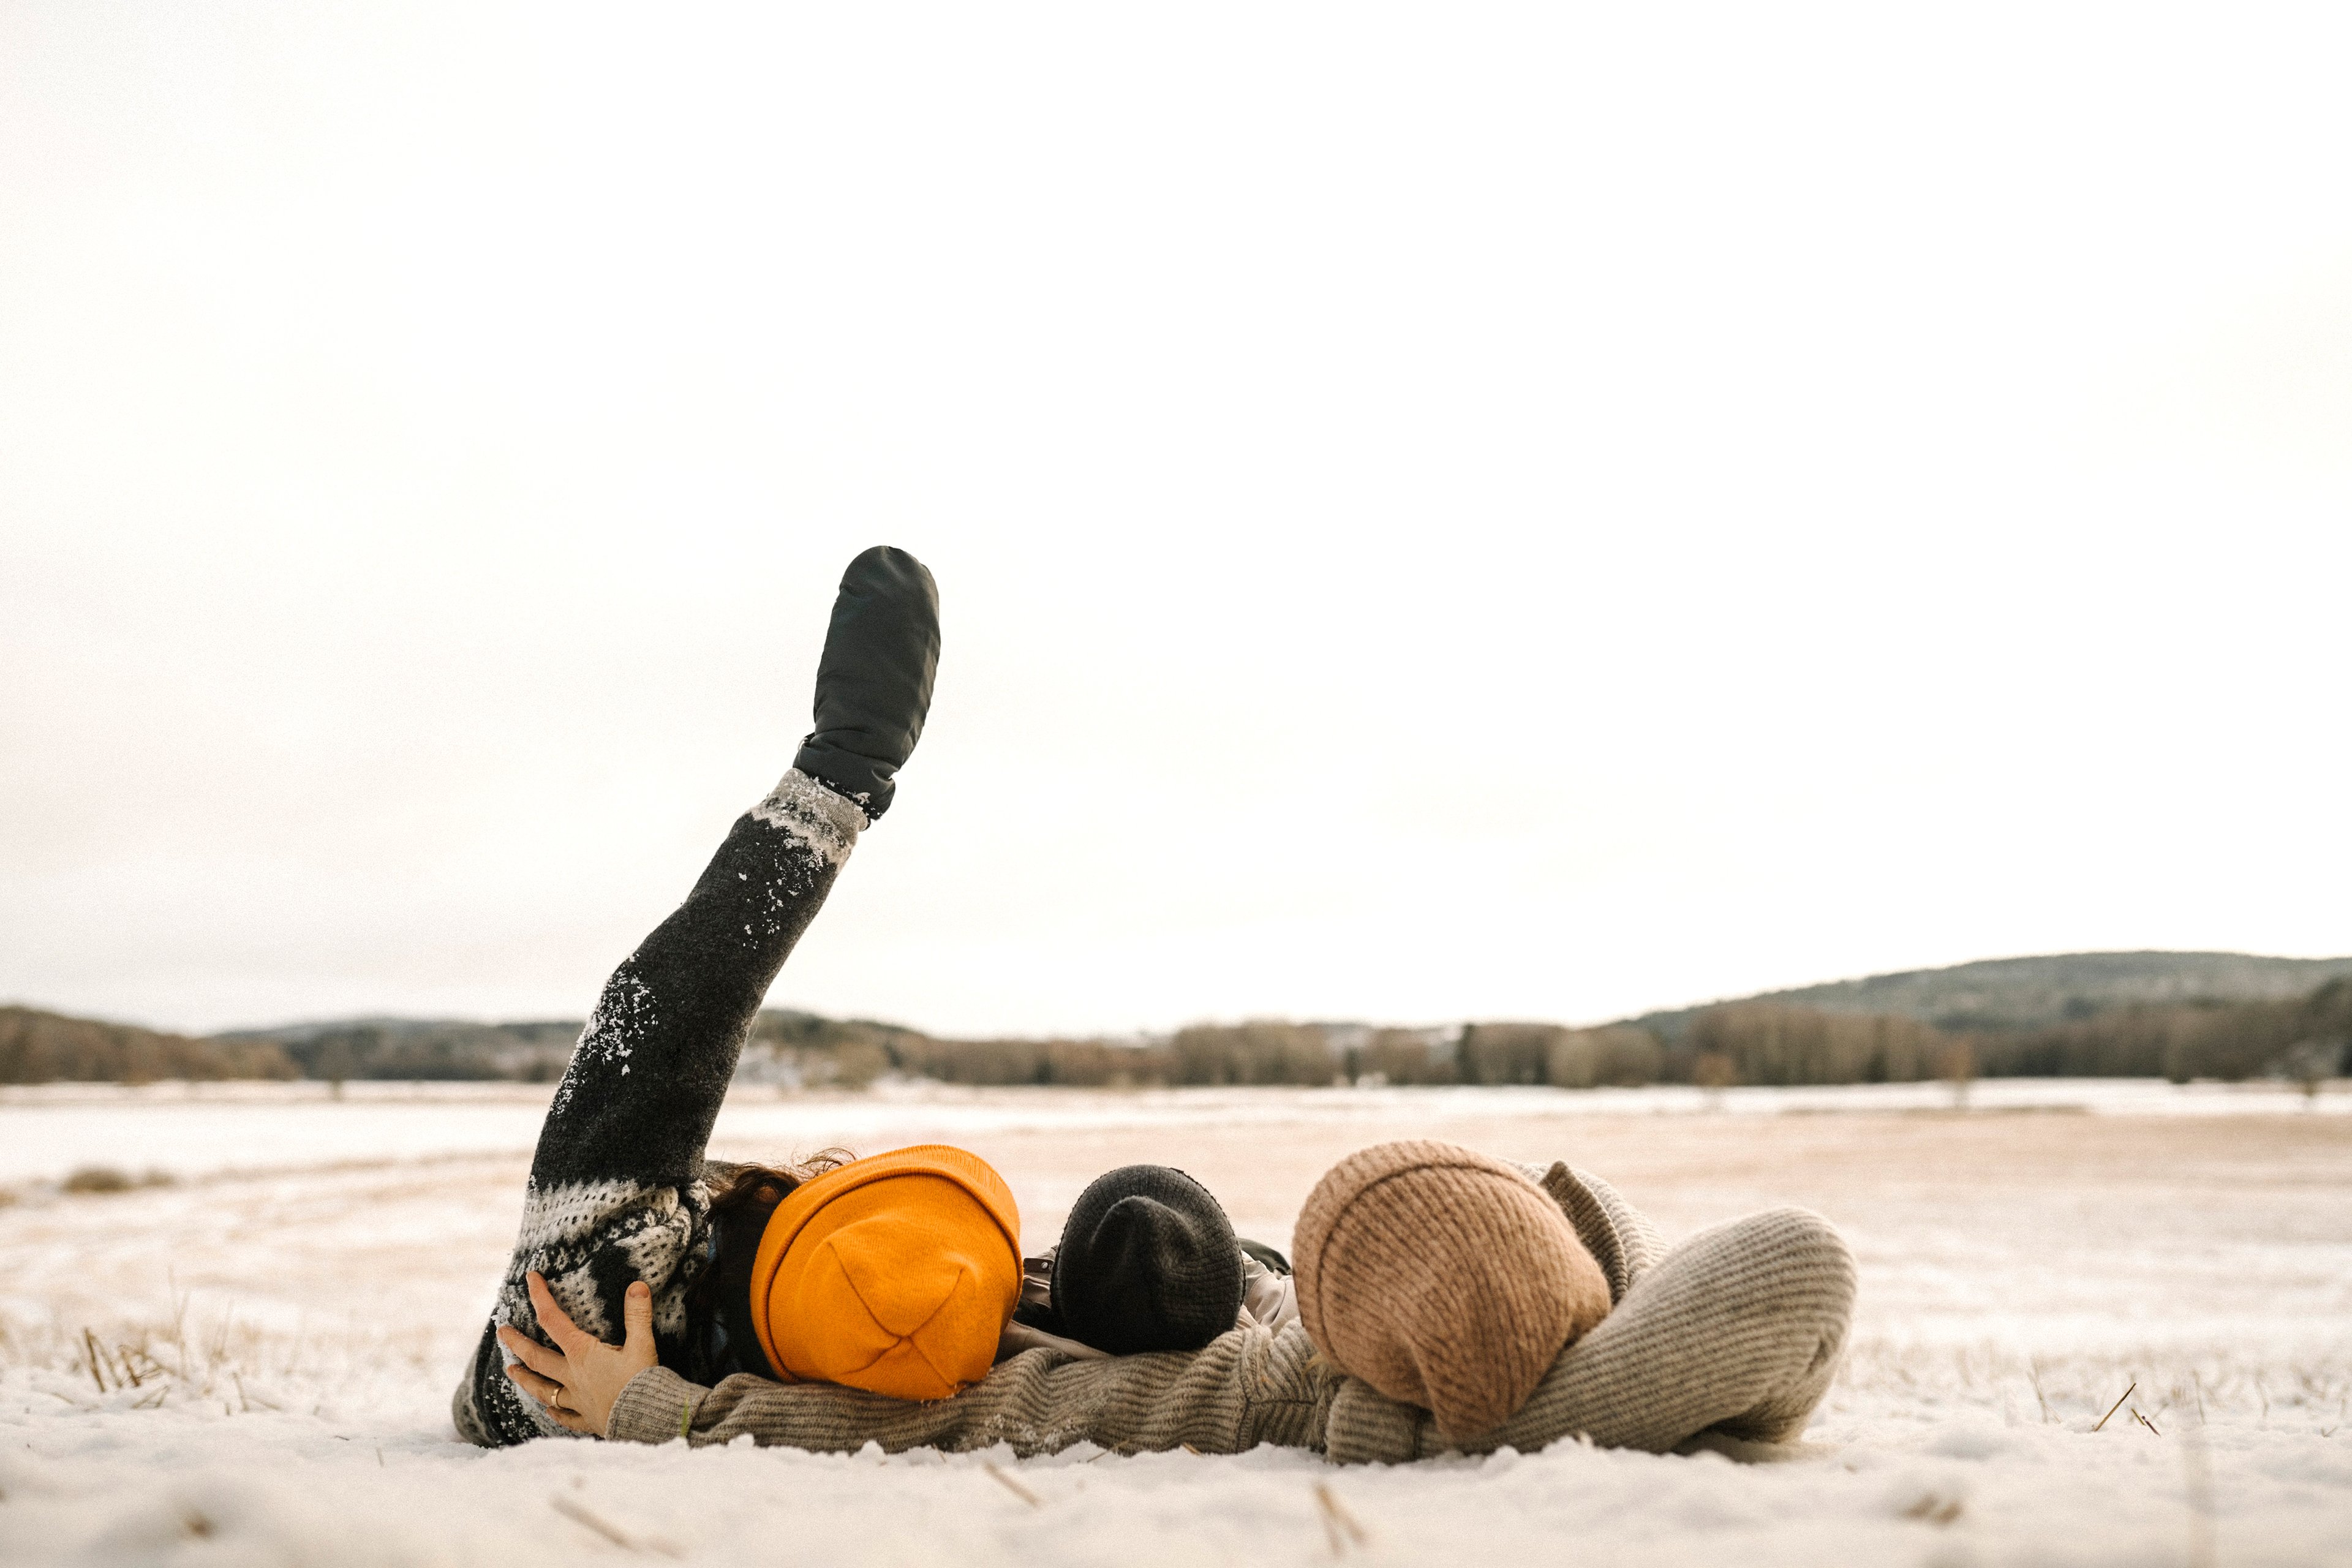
1444	1278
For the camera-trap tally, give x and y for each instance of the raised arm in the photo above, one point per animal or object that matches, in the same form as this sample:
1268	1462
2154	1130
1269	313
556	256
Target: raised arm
646	1082
637	1103
613	1195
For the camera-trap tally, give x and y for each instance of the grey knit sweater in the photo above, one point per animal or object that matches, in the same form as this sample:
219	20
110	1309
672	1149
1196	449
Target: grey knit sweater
1737	1331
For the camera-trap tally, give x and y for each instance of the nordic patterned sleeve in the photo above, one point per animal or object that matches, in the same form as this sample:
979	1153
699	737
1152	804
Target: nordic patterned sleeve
614	1195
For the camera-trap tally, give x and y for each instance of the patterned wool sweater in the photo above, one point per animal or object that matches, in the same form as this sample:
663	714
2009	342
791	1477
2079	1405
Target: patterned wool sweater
619	1189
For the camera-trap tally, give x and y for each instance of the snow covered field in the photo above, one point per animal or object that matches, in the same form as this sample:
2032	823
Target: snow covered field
184	1130
278	1330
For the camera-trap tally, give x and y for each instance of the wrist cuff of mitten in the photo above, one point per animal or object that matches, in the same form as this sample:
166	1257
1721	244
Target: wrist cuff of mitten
657	1407
863	782
813	814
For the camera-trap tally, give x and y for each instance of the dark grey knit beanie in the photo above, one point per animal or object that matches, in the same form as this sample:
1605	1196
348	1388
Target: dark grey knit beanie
1147	1262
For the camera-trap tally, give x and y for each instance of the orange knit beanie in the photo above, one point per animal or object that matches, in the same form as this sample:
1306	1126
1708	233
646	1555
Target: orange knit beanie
894	1274
1444	1278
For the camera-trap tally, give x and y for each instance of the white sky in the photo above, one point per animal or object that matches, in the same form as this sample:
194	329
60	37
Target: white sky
1443	511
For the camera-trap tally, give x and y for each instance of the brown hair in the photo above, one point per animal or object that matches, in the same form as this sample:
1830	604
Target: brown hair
741	1199
734	1186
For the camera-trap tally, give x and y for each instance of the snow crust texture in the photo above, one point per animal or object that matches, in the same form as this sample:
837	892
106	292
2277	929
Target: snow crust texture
2083	1339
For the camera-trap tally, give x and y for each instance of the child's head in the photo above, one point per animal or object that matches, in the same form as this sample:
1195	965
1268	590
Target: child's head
1444	1278
894	1274
1147	1262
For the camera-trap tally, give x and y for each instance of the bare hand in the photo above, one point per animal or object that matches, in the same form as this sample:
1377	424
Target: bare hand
579	1380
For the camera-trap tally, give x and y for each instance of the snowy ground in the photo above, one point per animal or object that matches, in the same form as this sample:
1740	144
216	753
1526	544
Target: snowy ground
295	1305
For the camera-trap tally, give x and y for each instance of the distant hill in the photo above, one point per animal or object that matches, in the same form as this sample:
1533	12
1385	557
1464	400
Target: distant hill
536	1051
43	1048
2044	991
411	1048
2177	1014
312	1029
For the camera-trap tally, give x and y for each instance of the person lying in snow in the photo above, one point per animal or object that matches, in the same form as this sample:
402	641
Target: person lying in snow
1444	1300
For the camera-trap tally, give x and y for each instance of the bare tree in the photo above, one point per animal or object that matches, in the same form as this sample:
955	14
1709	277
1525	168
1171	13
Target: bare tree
1713	1072
2310	1063
1956	1064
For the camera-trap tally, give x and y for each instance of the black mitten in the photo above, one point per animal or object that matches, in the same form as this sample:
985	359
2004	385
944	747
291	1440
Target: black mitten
874	684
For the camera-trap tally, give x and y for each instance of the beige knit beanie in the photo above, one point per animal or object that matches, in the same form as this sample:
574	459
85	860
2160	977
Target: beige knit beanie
1443	1278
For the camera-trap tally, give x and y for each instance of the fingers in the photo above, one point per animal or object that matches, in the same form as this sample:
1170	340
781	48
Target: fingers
574	1421
544	1392
538	1357
553	1318
638	1310
543	1389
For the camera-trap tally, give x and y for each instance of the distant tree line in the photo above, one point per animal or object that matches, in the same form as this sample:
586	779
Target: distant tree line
47	1048
2228	1041
1767	1043
405	1050
1775	1043
1738	1043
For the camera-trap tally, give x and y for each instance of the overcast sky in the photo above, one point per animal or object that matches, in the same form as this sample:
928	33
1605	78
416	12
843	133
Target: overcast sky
1440	513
